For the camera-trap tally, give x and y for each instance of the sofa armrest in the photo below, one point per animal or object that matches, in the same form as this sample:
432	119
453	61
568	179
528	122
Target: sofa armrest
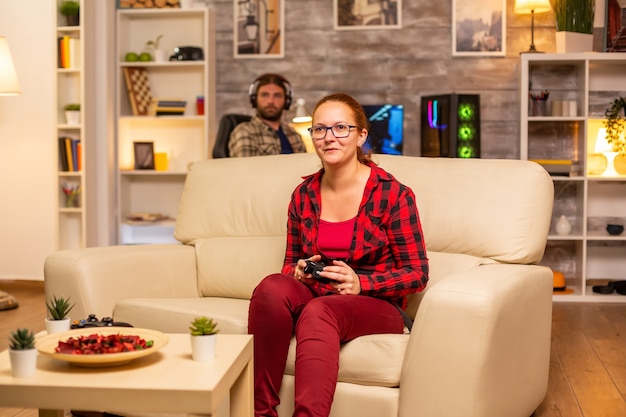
480	345
96	278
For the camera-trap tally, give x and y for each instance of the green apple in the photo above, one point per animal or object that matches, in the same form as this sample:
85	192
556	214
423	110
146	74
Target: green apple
131	57
145	57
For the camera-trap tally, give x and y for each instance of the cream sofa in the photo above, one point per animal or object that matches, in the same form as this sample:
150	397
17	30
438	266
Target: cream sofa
480	343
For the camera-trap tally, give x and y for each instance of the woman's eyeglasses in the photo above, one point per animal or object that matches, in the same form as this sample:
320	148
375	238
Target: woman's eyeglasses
339	131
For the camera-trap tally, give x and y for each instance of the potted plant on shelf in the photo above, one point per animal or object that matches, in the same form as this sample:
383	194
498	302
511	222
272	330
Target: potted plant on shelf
574	25
153	45
203	332
72	113
71	10
22	353
614	124
58	308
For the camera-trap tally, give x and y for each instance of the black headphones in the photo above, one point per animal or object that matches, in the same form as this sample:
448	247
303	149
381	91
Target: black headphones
270	79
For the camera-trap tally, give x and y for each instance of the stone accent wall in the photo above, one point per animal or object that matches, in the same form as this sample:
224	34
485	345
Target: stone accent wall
395	65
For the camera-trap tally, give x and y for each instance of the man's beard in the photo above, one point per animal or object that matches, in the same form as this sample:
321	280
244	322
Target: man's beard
272	115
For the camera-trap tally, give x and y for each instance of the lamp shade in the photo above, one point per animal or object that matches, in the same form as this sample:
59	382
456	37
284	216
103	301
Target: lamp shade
8	79
530	6
602	145
301	115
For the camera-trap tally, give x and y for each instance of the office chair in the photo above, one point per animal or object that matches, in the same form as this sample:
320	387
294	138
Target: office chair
227	124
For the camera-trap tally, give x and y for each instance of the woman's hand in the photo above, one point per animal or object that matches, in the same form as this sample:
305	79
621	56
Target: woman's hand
299	270
344	279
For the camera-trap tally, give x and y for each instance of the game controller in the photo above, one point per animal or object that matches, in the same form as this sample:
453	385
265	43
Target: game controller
314	268
92	321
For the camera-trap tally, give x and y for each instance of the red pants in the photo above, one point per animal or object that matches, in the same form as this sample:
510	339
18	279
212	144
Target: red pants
280	306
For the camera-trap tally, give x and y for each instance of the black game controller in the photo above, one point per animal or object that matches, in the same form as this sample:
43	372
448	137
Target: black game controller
314	268
92	321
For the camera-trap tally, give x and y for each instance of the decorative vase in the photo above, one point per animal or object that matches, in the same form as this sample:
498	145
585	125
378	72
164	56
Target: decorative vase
569	42
563	226
57	326
23	362
203	347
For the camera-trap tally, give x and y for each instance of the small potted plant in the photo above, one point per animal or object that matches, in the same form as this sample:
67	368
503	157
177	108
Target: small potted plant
614	125
22	353
71	10
72	113
574	24
203	331
58	308
152	48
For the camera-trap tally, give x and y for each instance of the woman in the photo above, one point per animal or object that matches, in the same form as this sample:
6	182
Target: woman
364	226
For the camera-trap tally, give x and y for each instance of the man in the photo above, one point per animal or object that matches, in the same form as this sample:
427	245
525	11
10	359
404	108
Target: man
267	133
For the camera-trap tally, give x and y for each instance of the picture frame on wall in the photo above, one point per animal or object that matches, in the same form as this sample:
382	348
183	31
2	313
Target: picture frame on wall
614	32
479	28
144	155
367	14
259	27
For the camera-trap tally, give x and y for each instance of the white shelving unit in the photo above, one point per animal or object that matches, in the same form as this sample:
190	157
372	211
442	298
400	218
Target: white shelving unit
186	139
76	226
588	255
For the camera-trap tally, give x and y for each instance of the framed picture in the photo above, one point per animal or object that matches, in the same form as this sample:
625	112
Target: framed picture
479	28
367	14
259	28
144	155
614	26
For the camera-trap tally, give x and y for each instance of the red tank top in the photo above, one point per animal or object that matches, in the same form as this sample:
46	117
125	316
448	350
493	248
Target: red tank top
335	238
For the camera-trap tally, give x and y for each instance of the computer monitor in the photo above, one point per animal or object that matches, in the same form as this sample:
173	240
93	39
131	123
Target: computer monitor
386	128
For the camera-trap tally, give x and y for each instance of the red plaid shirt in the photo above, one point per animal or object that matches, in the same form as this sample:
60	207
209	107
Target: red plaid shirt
387	252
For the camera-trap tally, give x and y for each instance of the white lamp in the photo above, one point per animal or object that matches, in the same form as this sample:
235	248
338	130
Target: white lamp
605	148
8	78
8	87
532	7
301	115
301	121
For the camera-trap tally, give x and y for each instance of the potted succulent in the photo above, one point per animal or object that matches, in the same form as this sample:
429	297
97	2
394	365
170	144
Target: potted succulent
574	25
72	113
203	331
71	10
58	308
22	353
614	124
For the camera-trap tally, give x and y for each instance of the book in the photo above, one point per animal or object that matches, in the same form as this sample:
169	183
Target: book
68	153
75	154
63	165
74	53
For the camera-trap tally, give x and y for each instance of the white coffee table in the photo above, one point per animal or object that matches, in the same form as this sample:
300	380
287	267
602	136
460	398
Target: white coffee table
168	381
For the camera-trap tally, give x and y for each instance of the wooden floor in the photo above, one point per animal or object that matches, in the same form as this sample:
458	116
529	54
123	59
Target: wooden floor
587	365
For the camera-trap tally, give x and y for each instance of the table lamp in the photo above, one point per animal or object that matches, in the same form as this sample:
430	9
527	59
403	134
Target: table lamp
605	148
8	87
301	121
532	7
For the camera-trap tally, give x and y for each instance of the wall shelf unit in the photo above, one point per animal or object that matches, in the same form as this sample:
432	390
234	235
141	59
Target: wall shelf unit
183	138
561	135
76	220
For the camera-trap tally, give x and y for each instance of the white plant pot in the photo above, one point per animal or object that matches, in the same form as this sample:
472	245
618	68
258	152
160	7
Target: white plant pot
160	55
186	4
569	42
23	362
203	347
72	117
57	326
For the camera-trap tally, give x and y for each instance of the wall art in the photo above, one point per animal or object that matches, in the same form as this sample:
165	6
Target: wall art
259	28
367	14
479	28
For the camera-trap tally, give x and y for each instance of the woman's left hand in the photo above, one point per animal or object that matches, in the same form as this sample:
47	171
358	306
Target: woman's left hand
344	279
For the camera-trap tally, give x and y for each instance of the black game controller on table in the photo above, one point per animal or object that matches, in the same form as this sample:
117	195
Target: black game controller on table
92	321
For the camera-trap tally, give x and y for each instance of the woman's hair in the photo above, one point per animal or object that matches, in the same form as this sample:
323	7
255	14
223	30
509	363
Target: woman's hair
359	118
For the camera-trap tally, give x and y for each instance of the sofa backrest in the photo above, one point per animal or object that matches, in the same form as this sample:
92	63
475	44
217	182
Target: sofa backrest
234	211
